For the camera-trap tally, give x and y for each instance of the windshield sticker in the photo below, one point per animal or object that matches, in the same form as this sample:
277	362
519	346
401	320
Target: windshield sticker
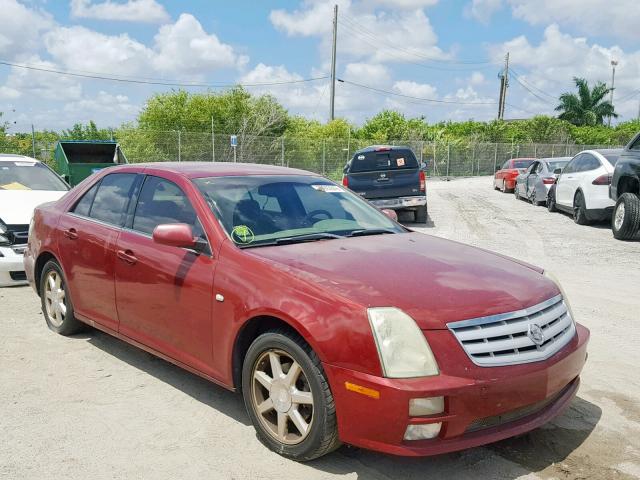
14	186
360	157
24	164
327	188
400	162
242	234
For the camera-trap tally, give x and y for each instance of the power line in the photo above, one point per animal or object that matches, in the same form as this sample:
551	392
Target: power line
430	100
97	76
526	84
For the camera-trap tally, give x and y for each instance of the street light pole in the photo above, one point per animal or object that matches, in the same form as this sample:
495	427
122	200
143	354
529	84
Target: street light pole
613	82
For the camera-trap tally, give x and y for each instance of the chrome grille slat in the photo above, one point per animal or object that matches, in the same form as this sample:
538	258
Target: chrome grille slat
503	339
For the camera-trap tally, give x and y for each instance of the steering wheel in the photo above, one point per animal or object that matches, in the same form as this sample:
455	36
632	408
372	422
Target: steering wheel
310	216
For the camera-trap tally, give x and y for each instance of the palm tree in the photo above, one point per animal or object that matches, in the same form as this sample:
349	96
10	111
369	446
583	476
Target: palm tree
588	107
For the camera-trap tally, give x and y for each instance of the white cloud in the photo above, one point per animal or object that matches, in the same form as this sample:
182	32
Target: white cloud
413	89
148	11
101	103
28	83
476	78
20	28
182	49
482	10
8	93
372	74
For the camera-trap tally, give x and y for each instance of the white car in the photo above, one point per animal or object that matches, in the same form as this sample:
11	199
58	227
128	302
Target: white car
25	183
582	188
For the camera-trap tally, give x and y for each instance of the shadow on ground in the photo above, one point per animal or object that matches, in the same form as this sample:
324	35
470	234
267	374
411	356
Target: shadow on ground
534	452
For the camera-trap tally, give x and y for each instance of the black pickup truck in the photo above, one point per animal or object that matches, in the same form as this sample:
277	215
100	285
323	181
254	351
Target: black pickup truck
625	191
389	177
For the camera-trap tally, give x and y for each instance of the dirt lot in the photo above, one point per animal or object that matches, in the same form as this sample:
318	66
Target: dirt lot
91	407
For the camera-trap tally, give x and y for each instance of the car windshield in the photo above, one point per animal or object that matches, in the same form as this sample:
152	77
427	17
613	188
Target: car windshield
274	210
557	164
522	163
26	175
382	160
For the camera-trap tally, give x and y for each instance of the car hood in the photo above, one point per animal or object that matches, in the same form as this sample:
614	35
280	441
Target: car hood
432	279
16	206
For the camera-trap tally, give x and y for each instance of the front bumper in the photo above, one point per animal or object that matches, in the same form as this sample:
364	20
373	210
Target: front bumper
12	266
399	202
482	404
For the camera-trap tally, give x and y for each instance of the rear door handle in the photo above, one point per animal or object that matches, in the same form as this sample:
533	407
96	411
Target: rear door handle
71	233
127	256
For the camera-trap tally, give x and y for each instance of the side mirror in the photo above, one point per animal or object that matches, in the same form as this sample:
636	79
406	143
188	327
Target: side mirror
557	171
390	213
423	165
174	235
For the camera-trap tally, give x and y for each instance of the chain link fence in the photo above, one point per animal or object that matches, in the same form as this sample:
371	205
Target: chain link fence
326	156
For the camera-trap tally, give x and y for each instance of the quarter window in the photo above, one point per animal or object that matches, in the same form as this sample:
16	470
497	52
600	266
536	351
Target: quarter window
112	198
84	205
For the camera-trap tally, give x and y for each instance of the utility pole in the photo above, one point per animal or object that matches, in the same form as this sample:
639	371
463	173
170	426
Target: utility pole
504	84
333	64
613	82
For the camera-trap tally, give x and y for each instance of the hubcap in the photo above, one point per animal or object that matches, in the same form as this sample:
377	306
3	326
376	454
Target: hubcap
55	298
618	219
282	397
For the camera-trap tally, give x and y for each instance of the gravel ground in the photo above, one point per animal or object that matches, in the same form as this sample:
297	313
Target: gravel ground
92	407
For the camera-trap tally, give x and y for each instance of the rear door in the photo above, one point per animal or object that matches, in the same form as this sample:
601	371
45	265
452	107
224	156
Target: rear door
384	173
87	240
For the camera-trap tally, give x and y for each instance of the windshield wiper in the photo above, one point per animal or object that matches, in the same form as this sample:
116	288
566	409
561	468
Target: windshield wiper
370	231
311	237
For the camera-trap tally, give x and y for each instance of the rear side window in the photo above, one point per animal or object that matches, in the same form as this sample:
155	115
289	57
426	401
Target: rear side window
83	207
383	160
112	198
162	201
522	163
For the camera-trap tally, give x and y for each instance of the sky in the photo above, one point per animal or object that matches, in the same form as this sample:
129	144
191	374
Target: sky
437	59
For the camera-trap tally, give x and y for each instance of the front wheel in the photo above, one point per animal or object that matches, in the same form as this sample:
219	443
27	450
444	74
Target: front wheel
551	201
56	302
626	217
287	396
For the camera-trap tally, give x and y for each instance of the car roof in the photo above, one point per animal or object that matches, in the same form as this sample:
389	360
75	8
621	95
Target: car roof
373	148
12	157
556	159
522	158
605	151
216	169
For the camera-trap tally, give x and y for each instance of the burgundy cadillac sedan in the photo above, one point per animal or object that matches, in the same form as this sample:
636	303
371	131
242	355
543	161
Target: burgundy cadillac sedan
337	324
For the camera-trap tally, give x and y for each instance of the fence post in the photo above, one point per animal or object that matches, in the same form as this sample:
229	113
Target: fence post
33	140
435	163
213	143
282	150
495	159
324	156
535	150
552	152
179	146
448	157
473	159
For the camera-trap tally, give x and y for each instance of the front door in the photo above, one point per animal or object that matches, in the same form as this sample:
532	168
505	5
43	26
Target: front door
87	241
165	294
567	182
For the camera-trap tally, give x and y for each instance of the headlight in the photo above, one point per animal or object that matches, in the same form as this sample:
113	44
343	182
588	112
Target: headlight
4	240
554	279
403	348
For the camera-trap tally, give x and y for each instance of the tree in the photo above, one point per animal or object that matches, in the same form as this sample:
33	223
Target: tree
86	132
588	107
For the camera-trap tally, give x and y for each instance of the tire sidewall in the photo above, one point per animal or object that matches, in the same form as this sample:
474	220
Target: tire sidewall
271	340
627	230
70	324
579	213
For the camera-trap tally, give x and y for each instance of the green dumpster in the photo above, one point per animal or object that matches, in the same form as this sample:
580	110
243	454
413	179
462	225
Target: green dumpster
77	159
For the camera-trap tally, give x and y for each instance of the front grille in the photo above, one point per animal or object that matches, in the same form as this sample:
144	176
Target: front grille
518	414
18	276
508	338
17	234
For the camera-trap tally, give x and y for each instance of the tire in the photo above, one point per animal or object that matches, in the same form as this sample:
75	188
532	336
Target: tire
625	220
289	441
551	201
57	307
515	192
503	189
579	210
421	214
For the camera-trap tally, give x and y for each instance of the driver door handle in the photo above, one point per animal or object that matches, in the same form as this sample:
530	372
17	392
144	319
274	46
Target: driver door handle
127	256
71	233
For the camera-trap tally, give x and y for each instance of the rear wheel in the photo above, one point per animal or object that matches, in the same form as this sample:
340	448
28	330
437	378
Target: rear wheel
56	302
626	217
287	396
421	214
551	201
580	210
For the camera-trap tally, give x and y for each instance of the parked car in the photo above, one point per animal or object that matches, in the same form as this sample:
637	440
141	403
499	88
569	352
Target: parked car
582	188
505	178
625	191
336	323
389	177
24	184
534	183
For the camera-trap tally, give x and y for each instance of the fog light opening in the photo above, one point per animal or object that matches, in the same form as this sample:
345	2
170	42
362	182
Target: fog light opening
422	432
421	407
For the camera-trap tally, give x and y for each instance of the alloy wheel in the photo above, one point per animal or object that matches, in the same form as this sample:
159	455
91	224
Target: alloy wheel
55	298
618	218
282	397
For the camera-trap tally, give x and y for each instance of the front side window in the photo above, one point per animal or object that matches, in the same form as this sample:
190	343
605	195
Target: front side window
112	198
161	201
308	207
29	175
